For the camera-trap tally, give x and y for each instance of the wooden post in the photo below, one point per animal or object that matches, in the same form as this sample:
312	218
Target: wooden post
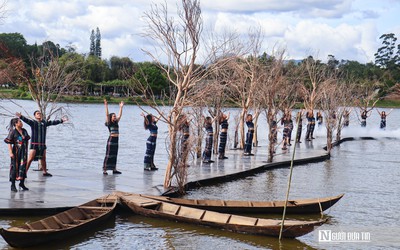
289	182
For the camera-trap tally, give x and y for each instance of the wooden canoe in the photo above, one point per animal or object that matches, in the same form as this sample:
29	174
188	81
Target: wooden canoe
303	206
236	223
62	225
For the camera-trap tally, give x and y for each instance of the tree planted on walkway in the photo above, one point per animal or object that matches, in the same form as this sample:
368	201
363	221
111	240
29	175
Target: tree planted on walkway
248	77
177	41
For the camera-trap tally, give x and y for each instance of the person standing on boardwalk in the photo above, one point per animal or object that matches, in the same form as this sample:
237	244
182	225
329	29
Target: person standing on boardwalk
364	115
346	118
223	136
383	116
291	126
38	139
249	135
300	125
184	127
320	119
209	140
287	129
17	141
112	120
310	125
150	123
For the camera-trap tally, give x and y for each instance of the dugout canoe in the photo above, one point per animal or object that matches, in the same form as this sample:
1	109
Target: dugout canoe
301	206
62	225
236	223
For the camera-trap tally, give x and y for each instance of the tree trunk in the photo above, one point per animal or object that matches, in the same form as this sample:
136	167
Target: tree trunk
172	156
255	137
329	133
241	128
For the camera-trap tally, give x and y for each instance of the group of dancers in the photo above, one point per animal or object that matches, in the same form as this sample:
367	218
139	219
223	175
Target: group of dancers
18	138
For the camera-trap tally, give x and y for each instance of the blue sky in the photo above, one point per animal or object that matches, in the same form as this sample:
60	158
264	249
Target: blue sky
347	29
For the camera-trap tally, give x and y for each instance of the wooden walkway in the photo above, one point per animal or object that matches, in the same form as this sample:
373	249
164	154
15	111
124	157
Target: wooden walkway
71	188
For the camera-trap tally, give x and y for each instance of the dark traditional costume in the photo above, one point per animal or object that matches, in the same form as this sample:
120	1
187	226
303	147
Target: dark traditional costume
110	161
151	147
383	121
39	129
209	142
310	126
223	136
249	137
20	151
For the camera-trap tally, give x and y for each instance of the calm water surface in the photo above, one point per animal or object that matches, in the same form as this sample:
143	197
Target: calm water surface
367	171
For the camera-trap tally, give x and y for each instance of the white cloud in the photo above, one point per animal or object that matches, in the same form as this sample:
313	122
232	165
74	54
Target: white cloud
327	8
343	41
348	29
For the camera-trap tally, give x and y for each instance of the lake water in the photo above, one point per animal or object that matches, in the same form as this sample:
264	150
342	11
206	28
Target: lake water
367	171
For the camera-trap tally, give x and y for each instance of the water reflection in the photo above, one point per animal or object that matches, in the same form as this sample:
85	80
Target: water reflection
108	183
152	233
366	171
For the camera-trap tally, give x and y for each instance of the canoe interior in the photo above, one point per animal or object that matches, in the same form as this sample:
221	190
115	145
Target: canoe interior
70	218
293	206
156	208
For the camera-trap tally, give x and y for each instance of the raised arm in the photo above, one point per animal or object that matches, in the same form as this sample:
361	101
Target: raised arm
121	105
24	119
56	122
106	107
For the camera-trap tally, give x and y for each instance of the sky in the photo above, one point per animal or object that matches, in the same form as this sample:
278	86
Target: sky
347	29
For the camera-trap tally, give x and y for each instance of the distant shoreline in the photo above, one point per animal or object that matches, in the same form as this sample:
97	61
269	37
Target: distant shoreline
17	94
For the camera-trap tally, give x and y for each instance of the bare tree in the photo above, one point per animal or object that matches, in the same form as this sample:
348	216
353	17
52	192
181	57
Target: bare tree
345	100
248	76
315	76
178	40
277	91
47	80
330	102
366	99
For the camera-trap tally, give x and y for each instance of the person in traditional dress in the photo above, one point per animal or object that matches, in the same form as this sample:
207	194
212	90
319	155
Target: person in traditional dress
287	127
223	136
17	141
346	118
112	123
364	115
249	135
320	119
310	125
299	126
383	116
184	128
38	138
209	140
150	123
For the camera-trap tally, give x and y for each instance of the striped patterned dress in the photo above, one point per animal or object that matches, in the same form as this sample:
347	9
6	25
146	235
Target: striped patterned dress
110	160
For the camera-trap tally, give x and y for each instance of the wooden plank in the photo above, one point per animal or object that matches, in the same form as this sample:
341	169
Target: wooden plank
59	222
90	208
46	225
241	220
86	215
216	217
190	212
169	208
267	222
